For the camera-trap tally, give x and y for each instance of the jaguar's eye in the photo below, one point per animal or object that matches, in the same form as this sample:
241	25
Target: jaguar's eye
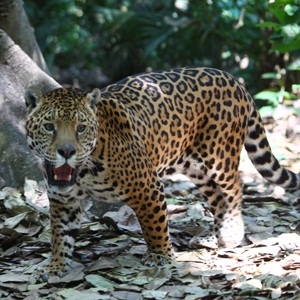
49	127
81	128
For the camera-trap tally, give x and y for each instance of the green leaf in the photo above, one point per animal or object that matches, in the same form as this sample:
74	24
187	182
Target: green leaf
270	75
280	3
270	96
291	9
283	47
294	65
295	87
266	111
154	43
278	13
274	25
290	31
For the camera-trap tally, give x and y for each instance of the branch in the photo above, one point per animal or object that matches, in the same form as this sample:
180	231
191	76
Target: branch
13	59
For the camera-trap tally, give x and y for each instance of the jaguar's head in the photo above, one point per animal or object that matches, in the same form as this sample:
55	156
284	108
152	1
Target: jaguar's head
62	130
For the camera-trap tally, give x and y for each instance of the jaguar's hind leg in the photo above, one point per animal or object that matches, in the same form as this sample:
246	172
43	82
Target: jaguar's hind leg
224	200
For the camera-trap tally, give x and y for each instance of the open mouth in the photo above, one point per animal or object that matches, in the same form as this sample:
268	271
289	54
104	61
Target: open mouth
61	176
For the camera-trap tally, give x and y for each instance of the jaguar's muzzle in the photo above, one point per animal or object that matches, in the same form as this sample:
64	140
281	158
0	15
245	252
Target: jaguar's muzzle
61	176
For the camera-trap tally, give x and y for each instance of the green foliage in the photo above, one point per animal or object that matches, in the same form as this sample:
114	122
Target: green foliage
124	37
62	31
164	34
285	38
286	35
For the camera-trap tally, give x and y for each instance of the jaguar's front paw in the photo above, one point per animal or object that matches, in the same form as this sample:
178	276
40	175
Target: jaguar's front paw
151	259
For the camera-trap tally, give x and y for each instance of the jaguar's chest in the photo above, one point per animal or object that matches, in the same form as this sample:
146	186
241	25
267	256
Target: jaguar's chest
95	183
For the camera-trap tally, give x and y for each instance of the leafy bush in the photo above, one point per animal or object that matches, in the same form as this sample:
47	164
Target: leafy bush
285	40
125	37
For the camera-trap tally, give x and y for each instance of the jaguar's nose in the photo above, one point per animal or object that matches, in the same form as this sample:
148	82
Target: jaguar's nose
66	151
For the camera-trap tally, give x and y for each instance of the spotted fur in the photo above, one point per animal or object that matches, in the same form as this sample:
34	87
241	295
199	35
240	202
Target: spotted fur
117	147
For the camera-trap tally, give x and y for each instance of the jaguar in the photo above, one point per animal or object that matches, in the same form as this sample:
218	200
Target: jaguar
117	144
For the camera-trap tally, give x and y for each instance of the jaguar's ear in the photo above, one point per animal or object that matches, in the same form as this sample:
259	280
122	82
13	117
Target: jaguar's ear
33	96
93	98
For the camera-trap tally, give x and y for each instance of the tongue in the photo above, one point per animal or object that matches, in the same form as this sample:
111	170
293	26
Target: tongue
63	173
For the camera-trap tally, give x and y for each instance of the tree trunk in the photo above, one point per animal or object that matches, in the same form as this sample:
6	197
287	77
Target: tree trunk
17	72
14	22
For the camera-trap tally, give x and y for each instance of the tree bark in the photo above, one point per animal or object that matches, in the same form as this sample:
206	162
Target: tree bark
14	21
17	72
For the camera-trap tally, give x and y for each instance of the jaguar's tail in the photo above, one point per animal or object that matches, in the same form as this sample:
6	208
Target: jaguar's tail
261	155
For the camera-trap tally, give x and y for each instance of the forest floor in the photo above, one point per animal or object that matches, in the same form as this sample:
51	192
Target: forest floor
108	252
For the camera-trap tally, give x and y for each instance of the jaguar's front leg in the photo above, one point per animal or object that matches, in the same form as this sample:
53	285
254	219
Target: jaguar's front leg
65	225
153	217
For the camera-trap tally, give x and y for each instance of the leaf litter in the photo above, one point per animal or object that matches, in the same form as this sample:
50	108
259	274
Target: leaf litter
108	252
